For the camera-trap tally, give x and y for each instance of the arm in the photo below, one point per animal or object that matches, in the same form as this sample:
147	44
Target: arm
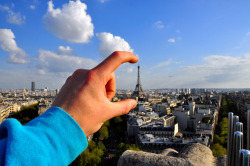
59	135
53	138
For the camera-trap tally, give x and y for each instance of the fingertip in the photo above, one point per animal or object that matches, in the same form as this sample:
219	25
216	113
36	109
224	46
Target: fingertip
112	62
133	103
130	104
135	59
123	107
125	56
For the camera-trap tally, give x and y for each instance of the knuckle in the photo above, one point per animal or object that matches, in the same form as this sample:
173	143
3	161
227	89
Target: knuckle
117	54
91	76
69	78
77	72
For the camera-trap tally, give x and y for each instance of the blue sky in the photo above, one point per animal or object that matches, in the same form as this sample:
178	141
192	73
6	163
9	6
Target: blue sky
189	43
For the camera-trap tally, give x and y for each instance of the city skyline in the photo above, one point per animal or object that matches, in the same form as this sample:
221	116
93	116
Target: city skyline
191	44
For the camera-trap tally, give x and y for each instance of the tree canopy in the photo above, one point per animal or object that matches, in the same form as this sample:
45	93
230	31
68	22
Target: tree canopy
122	147
92	156
103	133
26	114
218	150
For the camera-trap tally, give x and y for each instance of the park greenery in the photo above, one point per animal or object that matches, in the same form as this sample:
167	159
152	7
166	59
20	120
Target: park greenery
110	136
26	114
103	133
92	156
218	150
122	147
220	138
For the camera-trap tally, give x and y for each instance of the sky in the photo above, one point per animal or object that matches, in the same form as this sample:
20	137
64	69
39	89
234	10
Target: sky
180	43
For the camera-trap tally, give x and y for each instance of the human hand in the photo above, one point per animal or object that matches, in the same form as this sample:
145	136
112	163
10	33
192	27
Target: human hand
86	94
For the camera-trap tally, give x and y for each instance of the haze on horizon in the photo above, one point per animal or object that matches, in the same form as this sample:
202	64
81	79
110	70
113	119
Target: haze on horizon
190	44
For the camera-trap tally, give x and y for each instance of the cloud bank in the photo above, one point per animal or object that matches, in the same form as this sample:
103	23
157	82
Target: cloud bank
110	43
223	71
8	44
54	62
71	23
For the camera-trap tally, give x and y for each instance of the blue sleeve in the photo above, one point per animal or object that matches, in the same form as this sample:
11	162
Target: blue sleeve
54	138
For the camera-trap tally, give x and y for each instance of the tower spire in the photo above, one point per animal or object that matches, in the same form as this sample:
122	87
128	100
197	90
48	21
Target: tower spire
138	88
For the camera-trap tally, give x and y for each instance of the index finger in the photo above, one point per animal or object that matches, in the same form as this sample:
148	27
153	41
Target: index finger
114	61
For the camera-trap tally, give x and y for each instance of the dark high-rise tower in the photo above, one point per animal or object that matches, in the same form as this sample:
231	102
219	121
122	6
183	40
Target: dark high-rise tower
138	88
33	86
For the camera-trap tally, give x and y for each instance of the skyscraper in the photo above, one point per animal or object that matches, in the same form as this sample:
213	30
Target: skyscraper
33	86
138	88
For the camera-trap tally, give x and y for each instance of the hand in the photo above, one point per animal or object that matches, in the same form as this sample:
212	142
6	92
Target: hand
86	94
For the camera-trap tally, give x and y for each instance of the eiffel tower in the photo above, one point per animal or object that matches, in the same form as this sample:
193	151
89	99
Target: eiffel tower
138	88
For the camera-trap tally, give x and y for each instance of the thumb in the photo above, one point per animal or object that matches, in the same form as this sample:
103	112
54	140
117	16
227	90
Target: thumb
123	107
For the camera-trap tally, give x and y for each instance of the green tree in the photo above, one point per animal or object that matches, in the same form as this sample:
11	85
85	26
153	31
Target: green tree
26	114
122	147
91	145
218	150
92	156
107	123
101	146
119	130
118	119
224	124
219	140
103	133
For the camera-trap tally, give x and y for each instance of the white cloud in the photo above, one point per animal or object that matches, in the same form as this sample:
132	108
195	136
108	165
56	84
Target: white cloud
41	72
65	50
33	7
172	40
216	71
130	69
21	78
248	33
8	44
71	23
222	71
110	43
54	62
17	58
15	18
12	17
4	8
158	25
